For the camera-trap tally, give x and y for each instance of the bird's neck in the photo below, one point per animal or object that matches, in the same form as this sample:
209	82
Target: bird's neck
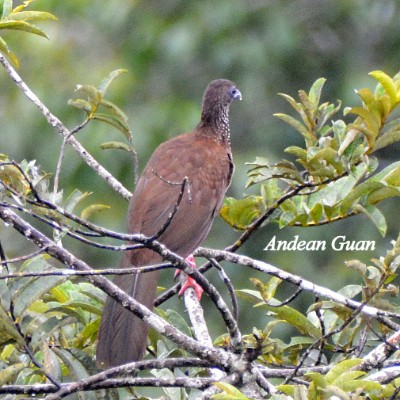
216	125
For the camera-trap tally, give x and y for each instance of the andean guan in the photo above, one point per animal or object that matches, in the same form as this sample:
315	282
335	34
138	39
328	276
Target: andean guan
202	157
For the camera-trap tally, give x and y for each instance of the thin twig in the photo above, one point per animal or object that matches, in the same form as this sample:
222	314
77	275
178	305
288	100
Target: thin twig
62	154
93	272
231	289
3	258
17	260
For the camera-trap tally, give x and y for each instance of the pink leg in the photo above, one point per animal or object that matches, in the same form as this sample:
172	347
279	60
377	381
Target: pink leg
190	282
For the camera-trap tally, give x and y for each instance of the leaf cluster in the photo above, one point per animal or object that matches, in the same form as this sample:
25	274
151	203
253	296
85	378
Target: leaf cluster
51	320
18	19
334	175
113	115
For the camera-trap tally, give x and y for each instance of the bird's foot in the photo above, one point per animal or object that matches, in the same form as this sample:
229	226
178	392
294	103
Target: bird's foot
190	282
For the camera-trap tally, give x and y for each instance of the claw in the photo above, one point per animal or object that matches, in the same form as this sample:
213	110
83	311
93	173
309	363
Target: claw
190	282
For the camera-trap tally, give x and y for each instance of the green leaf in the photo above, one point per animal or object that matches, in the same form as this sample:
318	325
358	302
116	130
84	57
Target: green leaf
105	83
388	84
334	192
31	16
347	377
22	26
91	91
295	319
114	122
115	110
84	305
8	374
8	329
115	146
390	136
77	370
298	152
371	102
252	296
301	128
176	319
382	193
350	291
33	290
358	192
51	363
92	209
337	370
81	105
361	384
375	216
229	392
74	199
89	333
314	95
267	290
371	121
318	379
271	192
6	50
241	213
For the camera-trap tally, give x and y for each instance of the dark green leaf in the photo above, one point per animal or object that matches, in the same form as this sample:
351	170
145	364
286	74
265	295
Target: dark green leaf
295	319
33	290
390	136
241	213
116	123
116	146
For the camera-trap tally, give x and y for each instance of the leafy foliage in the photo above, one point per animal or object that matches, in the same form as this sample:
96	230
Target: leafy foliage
18	19
333	176
58	318
96	100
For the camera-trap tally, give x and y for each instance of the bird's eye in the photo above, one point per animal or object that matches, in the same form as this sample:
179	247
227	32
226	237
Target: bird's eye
235	93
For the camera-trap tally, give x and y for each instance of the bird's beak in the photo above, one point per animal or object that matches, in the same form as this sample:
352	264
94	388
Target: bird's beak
237	95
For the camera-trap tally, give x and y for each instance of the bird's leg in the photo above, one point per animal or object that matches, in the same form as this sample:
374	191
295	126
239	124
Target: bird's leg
190	282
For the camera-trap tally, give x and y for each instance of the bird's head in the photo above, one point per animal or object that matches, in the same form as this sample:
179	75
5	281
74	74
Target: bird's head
216	101
221	92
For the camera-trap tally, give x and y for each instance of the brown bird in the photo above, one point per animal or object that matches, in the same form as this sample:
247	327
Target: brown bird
202	157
